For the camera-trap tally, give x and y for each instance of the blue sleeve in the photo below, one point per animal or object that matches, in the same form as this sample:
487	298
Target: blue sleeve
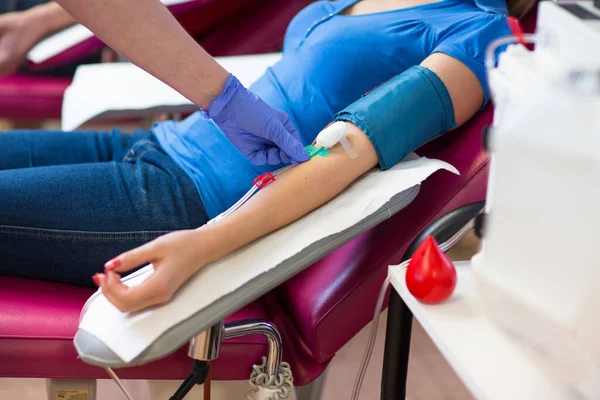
468	40
402	114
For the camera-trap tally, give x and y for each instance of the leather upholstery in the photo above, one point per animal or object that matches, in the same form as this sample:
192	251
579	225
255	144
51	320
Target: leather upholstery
31	97
39	319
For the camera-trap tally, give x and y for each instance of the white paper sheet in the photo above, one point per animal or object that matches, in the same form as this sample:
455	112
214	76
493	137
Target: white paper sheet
124	90
127	335
69	37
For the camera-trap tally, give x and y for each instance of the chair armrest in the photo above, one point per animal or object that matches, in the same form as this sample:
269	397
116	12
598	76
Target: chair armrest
446	226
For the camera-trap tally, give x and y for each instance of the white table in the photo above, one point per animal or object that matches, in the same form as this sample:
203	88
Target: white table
486	359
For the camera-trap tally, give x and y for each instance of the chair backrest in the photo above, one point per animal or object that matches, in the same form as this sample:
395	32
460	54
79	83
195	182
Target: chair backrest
530	20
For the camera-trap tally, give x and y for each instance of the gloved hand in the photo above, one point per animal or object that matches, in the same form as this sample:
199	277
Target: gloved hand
263	134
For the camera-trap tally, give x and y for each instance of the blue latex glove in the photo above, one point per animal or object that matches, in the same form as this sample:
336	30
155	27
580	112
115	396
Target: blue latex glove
263	134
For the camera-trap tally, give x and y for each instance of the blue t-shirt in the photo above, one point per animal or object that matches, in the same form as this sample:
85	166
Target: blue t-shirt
329	61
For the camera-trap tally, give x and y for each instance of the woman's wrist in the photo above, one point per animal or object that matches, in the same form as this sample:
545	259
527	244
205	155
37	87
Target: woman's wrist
214	242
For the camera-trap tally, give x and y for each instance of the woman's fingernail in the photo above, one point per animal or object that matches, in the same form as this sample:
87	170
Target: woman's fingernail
96	279
112	264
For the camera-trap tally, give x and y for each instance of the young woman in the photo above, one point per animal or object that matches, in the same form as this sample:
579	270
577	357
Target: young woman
69	201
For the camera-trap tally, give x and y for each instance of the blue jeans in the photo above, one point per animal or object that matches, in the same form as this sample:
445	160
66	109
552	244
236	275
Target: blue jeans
70	201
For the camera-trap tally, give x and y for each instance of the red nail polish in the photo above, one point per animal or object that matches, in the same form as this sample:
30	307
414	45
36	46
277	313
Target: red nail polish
112	264
96	279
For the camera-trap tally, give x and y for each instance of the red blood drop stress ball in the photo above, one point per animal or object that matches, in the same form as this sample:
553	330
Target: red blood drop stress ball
430	276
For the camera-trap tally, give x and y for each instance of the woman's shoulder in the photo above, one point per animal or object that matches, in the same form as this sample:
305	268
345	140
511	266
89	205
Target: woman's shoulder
466	17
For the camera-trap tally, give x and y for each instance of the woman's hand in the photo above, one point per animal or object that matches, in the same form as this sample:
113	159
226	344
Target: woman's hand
176	257
17	37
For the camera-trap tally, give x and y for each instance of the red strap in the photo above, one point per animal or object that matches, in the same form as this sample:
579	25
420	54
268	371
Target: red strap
516	29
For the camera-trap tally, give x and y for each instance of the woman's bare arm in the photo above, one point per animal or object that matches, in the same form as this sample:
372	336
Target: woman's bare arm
295	193
146	33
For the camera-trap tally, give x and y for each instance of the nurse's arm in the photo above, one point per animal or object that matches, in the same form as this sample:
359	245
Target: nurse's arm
146	33
295	193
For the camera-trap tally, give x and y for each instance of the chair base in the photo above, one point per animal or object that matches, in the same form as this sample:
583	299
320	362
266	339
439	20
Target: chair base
206	346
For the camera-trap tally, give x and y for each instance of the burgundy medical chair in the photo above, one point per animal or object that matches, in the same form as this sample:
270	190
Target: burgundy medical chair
316	313
215	24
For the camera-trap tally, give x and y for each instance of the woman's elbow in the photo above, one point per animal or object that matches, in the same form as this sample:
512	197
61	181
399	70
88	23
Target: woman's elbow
462	84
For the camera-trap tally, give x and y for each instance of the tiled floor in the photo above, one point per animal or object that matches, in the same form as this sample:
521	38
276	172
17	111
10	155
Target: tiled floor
430	377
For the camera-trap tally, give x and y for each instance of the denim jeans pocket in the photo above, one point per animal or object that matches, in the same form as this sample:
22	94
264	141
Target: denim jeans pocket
139	149
147	152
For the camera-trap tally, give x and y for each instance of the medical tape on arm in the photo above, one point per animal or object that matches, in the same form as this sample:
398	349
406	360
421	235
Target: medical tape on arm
333	134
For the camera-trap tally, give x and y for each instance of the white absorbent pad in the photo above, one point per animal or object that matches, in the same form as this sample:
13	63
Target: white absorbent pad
122	90
108	337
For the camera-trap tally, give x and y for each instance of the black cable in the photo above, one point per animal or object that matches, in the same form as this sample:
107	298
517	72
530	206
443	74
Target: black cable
197	376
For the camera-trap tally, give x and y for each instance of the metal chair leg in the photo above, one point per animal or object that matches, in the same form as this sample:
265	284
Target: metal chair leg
397	349
206	346
261	327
